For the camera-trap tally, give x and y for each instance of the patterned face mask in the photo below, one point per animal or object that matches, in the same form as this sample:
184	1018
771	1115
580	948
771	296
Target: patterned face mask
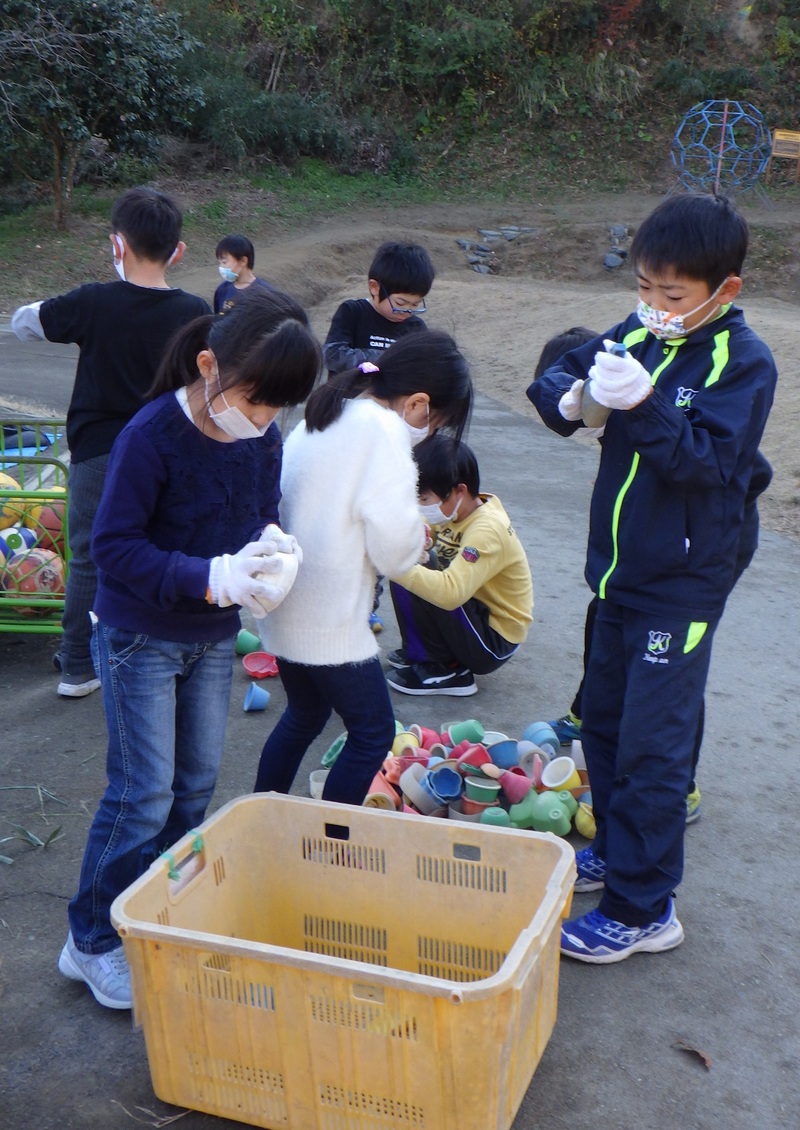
666	326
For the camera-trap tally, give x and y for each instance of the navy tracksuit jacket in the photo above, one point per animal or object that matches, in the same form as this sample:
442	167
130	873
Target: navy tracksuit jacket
666	524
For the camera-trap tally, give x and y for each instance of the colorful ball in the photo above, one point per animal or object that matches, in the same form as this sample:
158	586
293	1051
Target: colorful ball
12	509
35	571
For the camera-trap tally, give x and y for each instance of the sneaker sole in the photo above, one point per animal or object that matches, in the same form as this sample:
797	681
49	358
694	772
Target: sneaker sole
70	690
661	943
693	817
583	886
68	968
453	692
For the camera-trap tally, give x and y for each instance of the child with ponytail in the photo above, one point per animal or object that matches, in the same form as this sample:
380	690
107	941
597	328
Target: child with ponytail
185	533
350	498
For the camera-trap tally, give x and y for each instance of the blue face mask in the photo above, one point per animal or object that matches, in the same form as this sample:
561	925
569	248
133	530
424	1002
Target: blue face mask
227	274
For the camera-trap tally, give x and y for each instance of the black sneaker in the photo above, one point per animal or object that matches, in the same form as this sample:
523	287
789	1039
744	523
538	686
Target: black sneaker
432	678
398	658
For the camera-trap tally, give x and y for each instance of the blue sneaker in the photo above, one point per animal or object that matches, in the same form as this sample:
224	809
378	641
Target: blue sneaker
567	729
600	940
591	871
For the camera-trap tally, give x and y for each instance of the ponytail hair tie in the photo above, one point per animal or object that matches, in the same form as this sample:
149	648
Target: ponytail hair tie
368	367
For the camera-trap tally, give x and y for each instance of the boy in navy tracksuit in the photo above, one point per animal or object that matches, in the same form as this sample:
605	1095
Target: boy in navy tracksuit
686	406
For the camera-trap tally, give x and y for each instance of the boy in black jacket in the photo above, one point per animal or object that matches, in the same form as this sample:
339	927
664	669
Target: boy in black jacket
400	276
686	404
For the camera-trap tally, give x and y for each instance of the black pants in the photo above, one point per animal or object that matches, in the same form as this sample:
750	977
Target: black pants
462	637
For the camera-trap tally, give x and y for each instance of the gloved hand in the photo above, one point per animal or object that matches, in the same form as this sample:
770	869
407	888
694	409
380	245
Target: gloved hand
619	381
284	543
232	577
569	405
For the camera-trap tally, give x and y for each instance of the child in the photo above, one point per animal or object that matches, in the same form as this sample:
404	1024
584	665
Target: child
469	614
192	478
350	497
688	403
122	329
236	257
568	727
400	277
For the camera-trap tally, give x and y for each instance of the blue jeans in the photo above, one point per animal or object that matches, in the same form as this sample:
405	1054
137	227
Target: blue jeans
166	707
85	488
359	695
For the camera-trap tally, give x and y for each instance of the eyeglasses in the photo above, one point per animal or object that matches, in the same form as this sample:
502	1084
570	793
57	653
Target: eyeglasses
403	308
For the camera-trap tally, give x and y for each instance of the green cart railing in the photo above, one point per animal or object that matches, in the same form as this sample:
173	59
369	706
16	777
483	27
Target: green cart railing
34	503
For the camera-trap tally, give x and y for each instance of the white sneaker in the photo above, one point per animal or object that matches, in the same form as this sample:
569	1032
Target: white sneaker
106	974
77	686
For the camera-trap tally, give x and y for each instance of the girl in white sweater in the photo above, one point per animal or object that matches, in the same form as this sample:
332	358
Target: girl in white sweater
349	496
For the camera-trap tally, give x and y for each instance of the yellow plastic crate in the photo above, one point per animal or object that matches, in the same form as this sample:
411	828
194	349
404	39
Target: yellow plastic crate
311	966
33	473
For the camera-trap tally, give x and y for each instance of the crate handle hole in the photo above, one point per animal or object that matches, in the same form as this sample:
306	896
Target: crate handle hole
337	831
467	851
186	870
369	993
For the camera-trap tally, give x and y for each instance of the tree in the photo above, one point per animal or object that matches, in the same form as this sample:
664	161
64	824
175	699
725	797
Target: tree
82	69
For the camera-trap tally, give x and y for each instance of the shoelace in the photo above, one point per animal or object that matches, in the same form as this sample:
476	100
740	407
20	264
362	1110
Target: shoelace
114	963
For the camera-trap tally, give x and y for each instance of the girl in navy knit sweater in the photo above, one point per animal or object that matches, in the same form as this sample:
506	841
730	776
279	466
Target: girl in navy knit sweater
193	477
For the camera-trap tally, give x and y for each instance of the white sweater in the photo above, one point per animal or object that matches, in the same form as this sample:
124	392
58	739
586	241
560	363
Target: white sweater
349	496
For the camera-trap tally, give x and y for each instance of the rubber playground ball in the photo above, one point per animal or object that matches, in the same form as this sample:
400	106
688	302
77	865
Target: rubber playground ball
12	510
36	571
47	523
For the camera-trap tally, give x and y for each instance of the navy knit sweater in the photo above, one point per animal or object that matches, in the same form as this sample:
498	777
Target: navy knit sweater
669	501
173	499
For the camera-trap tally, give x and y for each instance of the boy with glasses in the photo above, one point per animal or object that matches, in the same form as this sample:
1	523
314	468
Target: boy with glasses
400	277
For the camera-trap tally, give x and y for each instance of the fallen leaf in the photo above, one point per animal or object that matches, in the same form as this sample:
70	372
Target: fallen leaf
704	1058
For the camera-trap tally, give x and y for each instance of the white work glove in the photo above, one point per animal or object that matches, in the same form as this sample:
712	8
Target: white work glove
284	543
232	577
619	381
569	405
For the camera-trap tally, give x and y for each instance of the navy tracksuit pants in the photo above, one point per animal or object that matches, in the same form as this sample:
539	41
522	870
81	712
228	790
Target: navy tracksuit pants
641	709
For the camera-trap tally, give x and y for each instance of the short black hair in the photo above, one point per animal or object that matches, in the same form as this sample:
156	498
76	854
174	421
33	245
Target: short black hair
555	347
239	246
700	236
443	463
150	221
402	268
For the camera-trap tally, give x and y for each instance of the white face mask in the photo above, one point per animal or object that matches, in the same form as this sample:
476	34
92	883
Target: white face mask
666	326
418	434
118	266
228	274
434	515
233	422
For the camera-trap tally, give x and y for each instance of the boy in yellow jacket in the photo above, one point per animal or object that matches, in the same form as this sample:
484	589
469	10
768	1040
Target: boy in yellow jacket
466	610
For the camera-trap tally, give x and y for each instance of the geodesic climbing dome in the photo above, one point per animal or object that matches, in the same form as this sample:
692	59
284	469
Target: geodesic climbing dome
721	145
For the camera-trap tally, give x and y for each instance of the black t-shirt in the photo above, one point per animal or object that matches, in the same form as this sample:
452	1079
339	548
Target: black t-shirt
359	333
122	331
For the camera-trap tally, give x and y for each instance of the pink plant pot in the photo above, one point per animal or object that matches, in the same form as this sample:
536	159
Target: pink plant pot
427	737
382	788
516	784
475	755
